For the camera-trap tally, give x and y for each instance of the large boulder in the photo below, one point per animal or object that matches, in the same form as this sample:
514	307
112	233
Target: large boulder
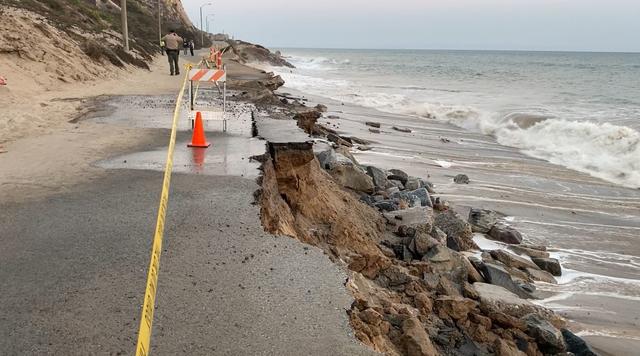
413	183
528	251
550	265
482	220
326	158
548	337
418	197
576	345
379	177
398	175
415	339
540	275
459	234
420	218
511	260
498	275
353	177
496	299
455	307
504	233
447	263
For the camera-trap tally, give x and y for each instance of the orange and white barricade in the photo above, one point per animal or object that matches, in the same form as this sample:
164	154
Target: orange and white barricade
217	77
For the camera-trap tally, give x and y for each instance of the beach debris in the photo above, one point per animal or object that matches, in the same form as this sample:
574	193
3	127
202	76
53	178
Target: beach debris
3	80
333	117
461	179
445	140
482	220
504	233
551	265
373	124
401	129
443	164
376	131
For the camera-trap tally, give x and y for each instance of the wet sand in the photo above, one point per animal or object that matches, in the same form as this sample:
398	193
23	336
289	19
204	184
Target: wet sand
591	225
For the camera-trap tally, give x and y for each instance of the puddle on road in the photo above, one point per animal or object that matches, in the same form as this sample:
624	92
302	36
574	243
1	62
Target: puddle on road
229	153
226	156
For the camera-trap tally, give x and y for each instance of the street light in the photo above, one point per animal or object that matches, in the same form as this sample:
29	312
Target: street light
202	25
212	16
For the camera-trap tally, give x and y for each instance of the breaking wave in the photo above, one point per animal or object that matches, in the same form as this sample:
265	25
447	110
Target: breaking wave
604	150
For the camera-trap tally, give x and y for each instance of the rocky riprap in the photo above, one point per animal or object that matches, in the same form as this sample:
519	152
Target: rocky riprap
421	286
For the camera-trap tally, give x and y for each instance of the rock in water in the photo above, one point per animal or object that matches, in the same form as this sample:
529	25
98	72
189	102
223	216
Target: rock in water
459	234
550	339
373	124
401	129
542	276
496	299
321	108
461	179
482	220
576	345
506	234
550	265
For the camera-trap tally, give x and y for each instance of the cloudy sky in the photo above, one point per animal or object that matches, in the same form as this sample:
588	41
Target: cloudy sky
574	25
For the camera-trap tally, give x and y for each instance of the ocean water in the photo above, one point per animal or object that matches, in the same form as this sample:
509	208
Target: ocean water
578	110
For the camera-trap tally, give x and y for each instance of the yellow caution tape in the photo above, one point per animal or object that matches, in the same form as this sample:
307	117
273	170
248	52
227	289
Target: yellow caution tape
144	333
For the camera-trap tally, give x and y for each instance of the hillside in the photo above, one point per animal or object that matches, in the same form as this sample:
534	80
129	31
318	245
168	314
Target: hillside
77	40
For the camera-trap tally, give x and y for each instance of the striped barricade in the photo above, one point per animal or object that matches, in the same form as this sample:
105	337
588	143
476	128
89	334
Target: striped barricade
207	75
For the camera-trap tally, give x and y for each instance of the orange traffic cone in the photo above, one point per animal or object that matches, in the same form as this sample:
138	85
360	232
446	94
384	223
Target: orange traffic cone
198	139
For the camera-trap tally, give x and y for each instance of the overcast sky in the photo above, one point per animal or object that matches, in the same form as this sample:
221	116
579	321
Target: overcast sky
573	25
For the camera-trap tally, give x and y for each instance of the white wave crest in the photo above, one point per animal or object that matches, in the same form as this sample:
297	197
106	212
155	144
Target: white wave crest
603	150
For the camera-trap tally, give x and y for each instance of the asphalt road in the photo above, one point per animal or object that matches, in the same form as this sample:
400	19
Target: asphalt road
73	269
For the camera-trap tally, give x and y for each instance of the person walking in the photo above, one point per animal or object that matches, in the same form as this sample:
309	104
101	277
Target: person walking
191	46
172	44
162	47
185	45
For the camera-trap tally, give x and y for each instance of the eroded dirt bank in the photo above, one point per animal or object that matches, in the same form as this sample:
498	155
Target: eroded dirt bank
421	284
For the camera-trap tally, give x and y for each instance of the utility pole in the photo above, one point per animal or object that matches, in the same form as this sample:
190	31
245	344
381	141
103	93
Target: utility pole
202	25
125	29
159	23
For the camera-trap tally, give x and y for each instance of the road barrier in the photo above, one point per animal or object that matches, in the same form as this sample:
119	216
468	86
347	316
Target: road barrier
146	320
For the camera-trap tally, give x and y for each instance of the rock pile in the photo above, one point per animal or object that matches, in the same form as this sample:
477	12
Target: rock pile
420	283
